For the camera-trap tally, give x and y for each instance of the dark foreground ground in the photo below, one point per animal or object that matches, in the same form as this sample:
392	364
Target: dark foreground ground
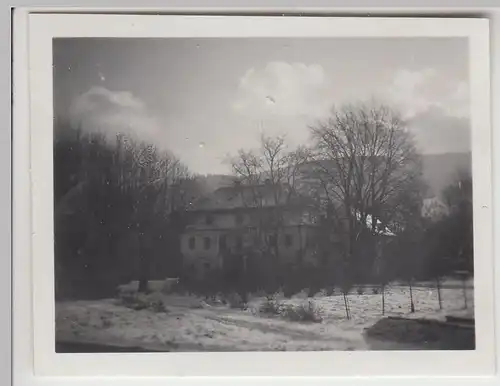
74	347
384	335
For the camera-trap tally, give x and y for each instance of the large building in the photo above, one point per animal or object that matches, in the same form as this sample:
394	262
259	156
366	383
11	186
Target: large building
235	223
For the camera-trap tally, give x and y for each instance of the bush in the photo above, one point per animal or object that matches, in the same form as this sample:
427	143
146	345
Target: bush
157	306
271	306
288	292
375	290
234	300
311	292
105	321
308	312
196	306
329	291
360	290
139	302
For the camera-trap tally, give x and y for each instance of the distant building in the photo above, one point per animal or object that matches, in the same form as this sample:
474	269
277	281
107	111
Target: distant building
434	208
234	223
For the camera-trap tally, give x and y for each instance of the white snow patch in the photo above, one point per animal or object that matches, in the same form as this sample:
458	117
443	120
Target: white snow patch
191	325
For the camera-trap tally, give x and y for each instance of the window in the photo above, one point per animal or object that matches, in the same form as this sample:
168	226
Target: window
239	219
288	240
192	243
239	243
222	242
207	242
271	240
209	219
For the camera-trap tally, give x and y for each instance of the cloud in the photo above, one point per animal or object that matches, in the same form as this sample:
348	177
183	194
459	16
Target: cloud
437	131
416	91
435	107
111	113
282	89
406	91
286	95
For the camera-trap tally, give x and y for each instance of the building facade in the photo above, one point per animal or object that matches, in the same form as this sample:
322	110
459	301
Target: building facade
235	224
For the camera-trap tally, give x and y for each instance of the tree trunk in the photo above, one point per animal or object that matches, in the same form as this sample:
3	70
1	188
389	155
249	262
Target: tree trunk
346	303
143	279
464	289
383	299
412	305
243	281
143	286
438	286
144	271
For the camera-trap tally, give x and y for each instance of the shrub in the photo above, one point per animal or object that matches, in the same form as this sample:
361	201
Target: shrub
329	291
307	312
105	321
128	299
375	290
171	286
271	306
360	290
234	300
260	293
139	302
311	292
288	292
157	306
216	299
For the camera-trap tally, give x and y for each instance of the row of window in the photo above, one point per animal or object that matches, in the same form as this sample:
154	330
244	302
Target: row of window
207	242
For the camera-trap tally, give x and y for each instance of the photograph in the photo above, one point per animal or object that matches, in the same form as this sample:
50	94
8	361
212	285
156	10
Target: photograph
222	194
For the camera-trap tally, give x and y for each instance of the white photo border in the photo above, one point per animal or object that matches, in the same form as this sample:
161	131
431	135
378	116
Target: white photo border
39	243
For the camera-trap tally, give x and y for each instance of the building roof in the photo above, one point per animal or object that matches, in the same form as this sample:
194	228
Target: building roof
247	196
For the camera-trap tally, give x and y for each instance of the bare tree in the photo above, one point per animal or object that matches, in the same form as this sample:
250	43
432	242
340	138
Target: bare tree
274	163
271	174
367	173
153	178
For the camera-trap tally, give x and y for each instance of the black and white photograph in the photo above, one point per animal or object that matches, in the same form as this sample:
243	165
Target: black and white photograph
262	194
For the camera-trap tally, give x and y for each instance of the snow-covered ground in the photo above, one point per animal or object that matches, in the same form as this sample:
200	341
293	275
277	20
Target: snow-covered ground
190	324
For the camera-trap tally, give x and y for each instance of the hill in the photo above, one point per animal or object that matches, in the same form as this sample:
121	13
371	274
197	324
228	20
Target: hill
439	170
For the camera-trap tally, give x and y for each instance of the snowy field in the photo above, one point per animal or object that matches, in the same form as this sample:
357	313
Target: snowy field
191	324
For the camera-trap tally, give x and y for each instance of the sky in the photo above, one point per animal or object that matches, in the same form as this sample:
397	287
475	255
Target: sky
203	99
